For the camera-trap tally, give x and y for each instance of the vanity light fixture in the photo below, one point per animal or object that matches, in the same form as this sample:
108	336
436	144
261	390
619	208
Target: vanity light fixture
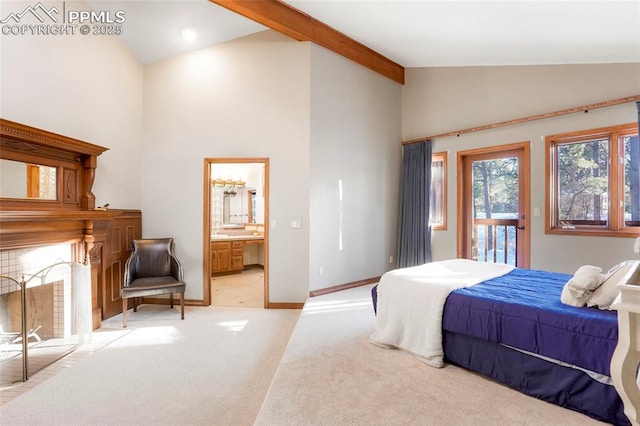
227	183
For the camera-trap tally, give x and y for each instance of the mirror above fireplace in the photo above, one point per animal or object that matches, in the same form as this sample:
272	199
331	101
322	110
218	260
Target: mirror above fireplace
27	180
55	171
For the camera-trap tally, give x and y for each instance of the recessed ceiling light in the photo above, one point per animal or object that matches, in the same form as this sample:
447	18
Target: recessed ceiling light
189	34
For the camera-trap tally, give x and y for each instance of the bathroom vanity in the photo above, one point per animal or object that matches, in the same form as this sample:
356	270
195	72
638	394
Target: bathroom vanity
231	253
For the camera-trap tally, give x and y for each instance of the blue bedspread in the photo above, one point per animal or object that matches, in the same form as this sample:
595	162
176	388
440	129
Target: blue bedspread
522	309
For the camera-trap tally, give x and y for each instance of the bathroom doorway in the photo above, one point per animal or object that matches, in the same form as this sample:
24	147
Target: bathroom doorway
236	200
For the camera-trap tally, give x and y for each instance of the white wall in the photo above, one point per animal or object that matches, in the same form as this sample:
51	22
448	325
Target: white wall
318	117
245	98
85	87
355	139
438	100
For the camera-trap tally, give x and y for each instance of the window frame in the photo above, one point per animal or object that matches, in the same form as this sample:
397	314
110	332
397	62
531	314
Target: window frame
615	172
440	157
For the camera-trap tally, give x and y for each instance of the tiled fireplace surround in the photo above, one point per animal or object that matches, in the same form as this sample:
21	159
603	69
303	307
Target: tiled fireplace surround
24	262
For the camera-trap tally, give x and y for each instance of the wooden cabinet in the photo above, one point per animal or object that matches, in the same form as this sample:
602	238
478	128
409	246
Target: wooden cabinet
117	248
237	255
220	257
227	256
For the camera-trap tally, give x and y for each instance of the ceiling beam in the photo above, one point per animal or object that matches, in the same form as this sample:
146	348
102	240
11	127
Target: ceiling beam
302	27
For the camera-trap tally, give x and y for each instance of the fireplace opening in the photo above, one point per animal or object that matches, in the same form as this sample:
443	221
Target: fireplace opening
52	316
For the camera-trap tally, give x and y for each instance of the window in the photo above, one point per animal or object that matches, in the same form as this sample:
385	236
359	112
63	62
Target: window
251	193
438	206
593	182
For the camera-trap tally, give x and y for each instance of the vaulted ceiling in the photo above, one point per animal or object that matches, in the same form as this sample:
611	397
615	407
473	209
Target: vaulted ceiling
418	33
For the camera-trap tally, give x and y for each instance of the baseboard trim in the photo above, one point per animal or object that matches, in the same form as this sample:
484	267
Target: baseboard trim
341	287
285	305
271	305
253	266
195	302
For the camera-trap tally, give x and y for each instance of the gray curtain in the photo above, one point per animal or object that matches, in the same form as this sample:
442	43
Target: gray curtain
414	234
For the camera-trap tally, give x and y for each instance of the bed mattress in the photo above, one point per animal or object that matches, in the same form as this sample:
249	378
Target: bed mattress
522	310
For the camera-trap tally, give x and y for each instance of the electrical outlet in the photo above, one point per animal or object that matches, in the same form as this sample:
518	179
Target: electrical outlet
321	270
390	259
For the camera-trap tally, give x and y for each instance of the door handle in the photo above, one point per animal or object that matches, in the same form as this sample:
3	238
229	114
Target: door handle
520	227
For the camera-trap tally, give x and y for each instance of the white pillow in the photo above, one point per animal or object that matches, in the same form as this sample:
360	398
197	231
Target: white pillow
604	295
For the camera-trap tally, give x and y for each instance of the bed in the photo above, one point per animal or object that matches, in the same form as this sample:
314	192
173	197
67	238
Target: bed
514	329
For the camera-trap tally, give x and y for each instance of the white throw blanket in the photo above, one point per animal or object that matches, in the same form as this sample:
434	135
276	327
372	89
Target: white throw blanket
411	303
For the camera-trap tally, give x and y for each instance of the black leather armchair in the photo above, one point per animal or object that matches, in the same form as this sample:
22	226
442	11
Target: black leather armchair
152	269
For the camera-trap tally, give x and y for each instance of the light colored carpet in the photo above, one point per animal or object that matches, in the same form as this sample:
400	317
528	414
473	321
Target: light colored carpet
41	355
331	375
213	368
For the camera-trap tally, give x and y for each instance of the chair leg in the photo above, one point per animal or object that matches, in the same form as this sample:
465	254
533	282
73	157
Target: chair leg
182	305
135	304
171	300
124	313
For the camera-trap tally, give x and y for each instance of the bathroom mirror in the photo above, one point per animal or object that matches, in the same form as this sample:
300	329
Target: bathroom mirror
236	197
27	181
235	207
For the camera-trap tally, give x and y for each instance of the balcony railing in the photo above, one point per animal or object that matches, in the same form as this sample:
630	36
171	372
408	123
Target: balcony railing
495	240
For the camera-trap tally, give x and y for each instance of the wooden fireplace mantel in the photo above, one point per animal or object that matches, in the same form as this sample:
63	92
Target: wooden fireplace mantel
75	162
70	216
20	229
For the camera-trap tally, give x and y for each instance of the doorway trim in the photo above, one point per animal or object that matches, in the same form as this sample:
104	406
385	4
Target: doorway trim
206	219
463	201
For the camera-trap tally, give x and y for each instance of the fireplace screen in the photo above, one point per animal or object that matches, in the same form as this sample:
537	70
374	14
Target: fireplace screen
45	312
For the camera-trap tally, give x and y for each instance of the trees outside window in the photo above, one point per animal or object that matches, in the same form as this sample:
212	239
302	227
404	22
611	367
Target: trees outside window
593	182
495	188
631	180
